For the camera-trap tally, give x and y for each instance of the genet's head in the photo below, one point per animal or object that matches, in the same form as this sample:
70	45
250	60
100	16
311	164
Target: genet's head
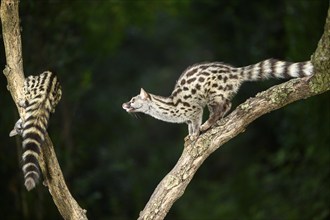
139	103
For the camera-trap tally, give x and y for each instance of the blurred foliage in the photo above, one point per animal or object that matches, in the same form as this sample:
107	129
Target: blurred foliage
104	50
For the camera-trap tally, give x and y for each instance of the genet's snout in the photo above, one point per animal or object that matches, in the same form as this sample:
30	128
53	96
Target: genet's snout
126	106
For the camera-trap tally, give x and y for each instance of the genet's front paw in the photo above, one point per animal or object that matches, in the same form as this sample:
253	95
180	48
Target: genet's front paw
189	139
22	103
192	137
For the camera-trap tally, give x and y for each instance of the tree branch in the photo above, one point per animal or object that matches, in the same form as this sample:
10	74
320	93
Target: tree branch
53	177
194	154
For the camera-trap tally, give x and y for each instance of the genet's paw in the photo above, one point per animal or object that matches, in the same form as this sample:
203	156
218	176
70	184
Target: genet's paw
22	103
192	137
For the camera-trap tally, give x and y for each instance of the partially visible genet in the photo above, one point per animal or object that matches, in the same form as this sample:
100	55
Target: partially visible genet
41	95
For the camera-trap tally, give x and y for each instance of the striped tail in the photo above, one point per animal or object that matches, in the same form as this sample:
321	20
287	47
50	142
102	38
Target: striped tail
273	68
33	137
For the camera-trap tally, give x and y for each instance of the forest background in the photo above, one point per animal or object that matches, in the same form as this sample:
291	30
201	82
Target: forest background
103	53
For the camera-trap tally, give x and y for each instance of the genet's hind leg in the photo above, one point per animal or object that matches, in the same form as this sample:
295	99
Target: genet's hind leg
225	108
194	125
217	111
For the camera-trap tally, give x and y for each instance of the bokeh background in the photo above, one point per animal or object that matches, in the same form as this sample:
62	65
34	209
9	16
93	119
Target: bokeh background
104	51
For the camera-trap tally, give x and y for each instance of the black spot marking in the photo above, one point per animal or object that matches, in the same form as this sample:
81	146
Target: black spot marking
191	80
193	91
183	81
223	70
229	87
221	96
201	79
198	86
186	104
176	92
164	102
186	96
203	67
214	85
51	77
191	72
204	73
233	76
166	109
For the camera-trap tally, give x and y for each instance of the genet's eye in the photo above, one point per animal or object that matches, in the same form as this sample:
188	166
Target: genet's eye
133	100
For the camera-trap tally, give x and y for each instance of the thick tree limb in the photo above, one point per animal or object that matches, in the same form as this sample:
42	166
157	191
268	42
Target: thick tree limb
194	154
51	170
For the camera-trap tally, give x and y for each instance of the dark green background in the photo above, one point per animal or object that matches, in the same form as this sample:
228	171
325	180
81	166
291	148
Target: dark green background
103	53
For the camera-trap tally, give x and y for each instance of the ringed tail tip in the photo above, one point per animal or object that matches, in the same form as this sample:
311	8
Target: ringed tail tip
29	183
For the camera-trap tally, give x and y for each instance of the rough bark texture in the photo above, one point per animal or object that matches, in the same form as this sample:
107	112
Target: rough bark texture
175	182
53	177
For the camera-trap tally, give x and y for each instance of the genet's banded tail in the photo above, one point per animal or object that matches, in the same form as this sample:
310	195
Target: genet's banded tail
32	139
272	68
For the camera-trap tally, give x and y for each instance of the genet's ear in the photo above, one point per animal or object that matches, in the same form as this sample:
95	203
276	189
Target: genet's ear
144	95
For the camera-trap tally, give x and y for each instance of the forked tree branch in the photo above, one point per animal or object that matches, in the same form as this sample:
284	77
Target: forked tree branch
53	177
194	154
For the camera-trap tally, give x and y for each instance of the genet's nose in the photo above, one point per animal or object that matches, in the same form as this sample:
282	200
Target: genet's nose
125	105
